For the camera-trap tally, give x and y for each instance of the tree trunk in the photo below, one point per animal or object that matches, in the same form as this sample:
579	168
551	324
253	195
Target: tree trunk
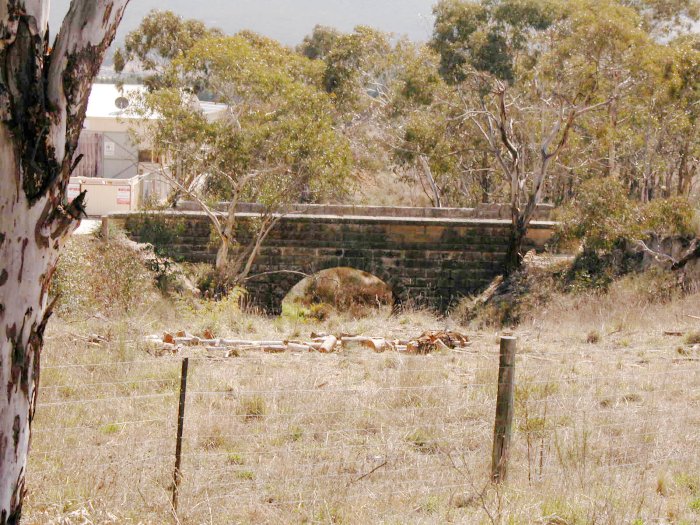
43	97
228	233
222	255
613	168
515	255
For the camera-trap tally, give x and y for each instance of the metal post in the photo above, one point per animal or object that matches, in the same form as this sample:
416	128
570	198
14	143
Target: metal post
177	474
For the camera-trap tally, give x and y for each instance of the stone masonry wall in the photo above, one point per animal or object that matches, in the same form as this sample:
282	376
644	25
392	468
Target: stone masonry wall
429	261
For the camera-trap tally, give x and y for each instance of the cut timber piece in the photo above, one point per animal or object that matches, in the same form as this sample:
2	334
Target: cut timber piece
674	333
168	338
168	348
274	349
298	347
328	344
244	342
440	345
378	344
189	341
432	341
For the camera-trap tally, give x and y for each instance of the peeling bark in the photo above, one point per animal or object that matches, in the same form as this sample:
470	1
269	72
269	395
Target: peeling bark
43	98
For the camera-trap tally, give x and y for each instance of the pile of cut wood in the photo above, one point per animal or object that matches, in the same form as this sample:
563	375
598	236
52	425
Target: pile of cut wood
426	343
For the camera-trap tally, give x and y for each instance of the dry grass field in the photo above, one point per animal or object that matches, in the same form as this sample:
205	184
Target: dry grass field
607	427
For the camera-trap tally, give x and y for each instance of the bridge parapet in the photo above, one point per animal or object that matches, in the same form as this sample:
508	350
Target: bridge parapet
431	261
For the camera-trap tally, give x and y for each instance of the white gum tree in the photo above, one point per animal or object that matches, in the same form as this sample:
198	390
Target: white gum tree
44	87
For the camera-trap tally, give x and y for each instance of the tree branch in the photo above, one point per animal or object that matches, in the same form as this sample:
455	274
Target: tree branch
87	32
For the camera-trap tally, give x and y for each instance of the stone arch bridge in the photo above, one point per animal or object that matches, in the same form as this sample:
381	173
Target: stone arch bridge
429	256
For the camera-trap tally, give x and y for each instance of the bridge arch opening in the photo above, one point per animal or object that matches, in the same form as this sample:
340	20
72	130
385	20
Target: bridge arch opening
341	290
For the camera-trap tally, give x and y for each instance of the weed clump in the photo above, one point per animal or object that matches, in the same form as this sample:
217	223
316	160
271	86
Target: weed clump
253	408
693	338
593	338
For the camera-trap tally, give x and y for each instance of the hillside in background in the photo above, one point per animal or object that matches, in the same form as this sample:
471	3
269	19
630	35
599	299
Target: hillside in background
283	20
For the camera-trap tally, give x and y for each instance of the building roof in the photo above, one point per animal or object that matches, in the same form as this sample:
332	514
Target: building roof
104	97
109	101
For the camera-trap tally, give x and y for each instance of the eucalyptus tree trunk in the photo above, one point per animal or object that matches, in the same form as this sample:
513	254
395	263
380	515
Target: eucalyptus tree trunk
43	97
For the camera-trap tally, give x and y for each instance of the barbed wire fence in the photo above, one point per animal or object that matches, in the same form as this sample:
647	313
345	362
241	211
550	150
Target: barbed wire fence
357	436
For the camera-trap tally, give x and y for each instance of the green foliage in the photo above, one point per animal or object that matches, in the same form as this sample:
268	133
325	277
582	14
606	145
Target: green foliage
157	230
488	35
280	132
161	37
354	66
217	316
319	43
590	271
601	215
654	285
307	124
667	217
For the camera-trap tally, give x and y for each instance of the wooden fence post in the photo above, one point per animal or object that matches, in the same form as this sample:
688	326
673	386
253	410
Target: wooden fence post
177	474
504	410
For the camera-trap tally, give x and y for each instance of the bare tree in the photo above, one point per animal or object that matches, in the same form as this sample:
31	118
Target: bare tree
43	98
525	158
226	224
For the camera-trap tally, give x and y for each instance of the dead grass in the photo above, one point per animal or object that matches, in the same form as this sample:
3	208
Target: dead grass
297	438
605	433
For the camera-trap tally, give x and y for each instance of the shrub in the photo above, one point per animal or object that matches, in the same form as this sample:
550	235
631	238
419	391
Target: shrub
520	294
590	271
654	286
603	217
157	230
101	276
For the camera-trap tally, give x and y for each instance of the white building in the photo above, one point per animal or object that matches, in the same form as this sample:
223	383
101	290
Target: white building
118	170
